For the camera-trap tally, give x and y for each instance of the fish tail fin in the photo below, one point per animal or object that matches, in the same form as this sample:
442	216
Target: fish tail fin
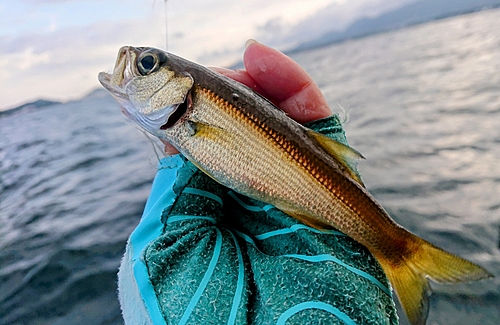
410	277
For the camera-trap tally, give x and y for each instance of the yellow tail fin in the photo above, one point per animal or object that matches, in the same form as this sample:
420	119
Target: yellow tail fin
409	279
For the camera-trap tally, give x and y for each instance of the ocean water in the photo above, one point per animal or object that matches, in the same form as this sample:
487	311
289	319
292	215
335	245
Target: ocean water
424	109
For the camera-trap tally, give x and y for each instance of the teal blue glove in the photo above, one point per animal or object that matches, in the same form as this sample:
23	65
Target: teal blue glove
203	254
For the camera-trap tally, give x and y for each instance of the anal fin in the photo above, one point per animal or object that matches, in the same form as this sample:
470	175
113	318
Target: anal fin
306	219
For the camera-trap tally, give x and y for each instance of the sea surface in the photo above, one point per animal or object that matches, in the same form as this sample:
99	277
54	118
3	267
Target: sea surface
424	109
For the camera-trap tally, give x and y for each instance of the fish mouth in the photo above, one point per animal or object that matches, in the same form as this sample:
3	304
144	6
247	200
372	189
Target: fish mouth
123	72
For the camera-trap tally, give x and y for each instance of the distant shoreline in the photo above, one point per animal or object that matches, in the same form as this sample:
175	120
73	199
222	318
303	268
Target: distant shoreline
43	103
319	44
28	107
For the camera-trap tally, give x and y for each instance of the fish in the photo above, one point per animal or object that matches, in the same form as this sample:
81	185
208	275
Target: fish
241	140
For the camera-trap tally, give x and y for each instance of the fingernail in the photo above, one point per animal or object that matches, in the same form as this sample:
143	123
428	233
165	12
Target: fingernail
250	42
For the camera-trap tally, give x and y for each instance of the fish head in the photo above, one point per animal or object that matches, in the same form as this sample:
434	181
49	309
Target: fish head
148	86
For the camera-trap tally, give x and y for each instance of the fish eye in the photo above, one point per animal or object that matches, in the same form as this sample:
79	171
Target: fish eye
147	63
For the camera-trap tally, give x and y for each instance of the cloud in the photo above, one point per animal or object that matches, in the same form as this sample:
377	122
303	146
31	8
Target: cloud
64	64
219	29
26	59
60	55
335	16
42	2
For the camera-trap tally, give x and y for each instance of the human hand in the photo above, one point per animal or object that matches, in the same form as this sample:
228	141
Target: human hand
281	80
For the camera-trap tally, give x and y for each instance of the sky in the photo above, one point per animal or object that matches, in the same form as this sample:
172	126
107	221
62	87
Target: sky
54	49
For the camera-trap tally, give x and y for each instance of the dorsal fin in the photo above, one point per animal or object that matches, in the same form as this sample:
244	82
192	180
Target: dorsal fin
345	155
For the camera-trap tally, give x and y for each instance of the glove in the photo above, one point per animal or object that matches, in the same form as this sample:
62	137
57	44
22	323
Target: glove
203	254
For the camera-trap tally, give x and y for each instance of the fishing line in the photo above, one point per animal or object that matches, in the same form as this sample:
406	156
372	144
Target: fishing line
157	148
166	24
165	12
155	145
345	113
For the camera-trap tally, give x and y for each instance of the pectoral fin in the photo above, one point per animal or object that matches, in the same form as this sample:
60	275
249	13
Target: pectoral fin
345	155
204	130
